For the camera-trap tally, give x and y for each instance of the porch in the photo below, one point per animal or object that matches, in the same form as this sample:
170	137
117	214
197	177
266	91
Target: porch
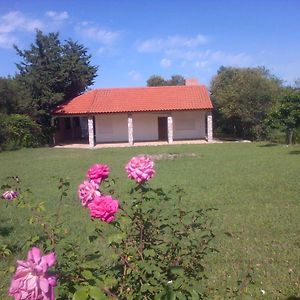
133	129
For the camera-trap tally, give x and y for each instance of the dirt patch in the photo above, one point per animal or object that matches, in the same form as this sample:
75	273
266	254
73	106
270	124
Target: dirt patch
170	156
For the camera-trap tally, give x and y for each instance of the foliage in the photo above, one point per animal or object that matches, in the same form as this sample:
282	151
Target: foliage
53	72
286	114
242	98
157	80
158	246
255	187
18	131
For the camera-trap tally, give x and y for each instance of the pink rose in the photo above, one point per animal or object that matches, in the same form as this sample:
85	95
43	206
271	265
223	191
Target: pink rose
9	195
31	281
140	168
87	191
104	208
98	172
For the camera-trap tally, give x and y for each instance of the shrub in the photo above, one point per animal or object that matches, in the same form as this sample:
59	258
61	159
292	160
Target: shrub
157	244
17	131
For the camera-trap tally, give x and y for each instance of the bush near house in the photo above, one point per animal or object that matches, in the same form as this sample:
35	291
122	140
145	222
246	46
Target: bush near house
17	131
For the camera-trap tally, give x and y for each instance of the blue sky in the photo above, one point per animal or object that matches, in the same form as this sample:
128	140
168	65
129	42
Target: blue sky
132	40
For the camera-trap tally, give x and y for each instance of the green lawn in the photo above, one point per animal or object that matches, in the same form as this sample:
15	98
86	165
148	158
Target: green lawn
255	188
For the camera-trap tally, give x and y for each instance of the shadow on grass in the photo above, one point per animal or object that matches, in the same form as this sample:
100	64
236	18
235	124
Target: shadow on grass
6	230
269	145
295	152
293	298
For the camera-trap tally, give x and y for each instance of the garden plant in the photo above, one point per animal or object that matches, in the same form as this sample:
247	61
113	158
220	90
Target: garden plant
157	241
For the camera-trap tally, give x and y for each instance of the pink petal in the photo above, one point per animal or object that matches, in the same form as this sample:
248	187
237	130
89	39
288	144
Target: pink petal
44	284
34	255
50	259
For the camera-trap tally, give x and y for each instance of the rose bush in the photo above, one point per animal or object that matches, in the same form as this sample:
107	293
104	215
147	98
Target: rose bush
156	243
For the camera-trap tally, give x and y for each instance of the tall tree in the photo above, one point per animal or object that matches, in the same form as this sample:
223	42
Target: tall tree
242	98
53	73
157	80
286	115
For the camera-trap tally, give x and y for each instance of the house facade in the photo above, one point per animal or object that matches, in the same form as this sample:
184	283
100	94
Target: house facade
129	115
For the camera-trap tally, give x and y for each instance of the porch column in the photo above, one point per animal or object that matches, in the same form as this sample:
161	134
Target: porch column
91	131
170	129
209	127
130	129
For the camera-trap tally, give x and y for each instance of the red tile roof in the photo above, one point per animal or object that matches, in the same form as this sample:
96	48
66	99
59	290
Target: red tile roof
142	99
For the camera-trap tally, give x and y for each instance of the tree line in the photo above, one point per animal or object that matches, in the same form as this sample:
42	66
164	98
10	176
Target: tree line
248	102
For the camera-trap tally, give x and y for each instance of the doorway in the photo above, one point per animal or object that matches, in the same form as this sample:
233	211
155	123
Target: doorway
162	128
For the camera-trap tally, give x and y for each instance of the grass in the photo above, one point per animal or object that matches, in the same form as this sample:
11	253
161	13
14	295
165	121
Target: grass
255	188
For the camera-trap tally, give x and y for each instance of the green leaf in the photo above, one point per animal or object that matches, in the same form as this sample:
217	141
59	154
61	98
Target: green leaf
195	295
177	271
81	294
115	238
97	294
149	252
87	274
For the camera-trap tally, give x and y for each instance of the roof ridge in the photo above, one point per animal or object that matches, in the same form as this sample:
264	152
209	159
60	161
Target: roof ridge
150	87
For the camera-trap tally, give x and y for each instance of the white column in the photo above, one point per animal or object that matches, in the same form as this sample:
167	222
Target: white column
209	127
170	129
91	131
130	129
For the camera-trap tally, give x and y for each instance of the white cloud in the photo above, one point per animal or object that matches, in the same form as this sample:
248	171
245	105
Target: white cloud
57	16
238	59
165	63
7	41
16	21
13	22
172	42
106	37
136	76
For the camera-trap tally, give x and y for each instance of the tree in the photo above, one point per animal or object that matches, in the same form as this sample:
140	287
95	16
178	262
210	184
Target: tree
286	114
53	73
242	98
176	80
157	80
12	97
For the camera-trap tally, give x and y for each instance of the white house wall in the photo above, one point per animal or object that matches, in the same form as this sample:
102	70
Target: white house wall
189	125
111	128
145	126
114	127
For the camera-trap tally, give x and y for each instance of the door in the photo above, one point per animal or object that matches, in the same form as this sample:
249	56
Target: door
162	128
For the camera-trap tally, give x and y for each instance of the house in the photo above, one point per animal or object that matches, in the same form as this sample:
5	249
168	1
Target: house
130	115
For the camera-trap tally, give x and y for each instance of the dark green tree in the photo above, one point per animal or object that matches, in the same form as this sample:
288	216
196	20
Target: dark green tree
242	98
13	98
286	115
53	73
176	80
157	80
